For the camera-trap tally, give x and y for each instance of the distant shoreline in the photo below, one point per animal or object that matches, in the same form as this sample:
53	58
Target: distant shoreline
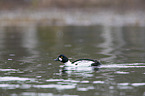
74	16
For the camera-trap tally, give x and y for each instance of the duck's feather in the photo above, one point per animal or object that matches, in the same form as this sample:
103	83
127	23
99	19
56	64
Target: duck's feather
86	62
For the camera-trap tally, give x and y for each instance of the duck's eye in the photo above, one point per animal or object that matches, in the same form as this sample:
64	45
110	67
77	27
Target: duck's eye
61	57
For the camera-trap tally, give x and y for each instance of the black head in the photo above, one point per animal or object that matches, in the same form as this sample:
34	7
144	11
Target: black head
61	58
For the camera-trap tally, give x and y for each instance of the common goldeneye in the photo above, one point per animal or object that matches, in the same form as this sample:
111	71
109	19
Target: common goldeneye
79	62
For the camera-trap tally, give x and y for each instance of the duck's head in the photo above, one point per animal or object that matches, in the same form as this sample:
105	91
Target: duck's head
62	59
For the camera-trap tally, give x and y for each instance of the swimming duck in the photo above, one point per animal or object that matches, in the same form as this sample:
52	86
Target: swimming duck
79	62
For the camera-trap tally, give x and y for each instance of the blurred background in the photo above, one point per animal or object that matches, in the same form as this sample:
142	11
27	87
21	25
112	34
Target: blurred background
34	32
72	12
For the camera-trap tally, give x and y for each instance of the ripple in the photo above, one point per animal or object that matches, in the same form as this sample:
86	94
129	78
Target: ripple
14	86
133	65
84	82
129	86
10	59
54	80
56	86
121	72
41	94
8	70
9	86
124	86
85	89
82	89
34	94
138	84
100	82
14	79
123	83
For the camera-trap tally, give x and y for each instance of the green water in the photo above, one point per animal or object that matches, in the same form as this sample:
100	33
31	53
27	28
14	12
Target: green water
27	67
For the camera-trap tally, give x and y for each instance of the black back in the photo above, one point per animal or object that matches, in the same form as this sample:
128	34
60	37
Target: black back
96	63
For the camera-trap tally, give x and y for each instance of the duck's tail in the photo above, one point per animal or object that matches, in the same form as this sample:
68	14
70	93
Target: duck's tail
97	63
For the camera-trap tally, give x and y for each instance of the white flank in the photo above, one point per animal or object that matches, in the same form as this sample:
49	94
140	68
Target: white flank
79	63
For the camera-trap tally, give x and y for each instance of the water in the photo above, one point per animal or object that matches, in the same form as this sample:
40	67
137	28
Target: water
27	67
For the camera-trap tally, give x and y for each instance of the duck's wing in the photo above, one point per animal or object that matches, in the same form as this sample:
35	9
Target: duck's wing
86	62
82	60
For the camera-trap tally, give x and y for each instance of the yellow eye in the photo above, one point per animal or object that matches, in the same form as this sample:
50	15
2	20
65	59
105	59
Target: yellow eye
61	57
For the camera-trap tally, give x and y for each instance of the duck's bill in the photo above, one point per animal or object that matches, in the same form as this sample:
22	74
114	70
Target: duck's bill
56	59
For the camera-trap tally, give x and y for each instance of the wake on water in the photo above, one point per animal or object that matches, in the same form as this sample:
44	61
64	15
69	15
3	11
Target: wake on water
127	65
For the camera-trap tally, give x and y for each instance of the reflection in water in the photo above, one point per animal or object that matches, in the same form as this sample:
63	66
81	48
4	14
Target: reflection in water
108	43
1	38
18	43
30	39
78	71
108	40
27	53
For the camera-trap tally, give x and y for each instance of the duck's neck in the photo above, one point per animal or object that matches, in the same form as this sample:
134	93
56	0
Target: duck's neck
68	63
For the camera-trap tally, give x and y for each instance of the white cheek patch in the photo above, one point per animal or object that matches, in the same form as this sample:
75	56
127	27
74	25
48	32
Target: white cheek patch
60	59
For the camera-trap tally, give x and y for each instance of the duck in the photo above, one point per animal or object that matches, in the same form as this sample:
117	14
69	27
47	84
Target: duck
80	62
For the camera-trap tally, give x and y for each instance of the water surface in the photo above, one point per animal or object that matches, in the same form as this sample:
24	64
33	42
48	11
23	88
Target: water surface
27	67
